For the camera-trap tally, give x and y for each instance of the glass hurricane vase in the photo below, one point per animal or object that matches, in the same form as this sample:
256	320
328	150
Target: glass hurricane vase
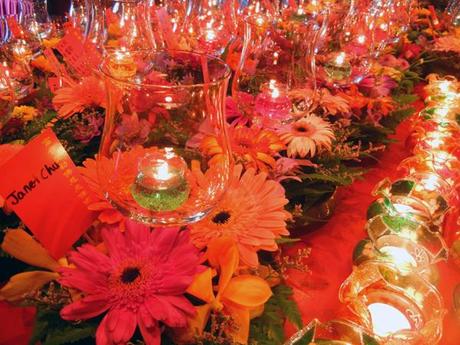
271	80
345	45
161	105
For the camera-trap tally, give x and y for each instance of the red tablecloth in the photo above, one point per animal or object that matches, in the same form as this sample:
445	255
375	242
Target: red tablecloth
332	245
330	261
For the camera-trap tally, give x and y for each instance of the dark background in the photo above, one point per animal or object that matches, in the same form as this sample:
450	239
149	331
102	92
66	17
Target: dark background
58	7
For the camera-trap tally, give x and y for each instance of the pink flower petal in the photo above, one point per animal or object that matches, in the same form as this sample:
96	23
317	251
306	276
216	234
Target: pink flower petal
162	310
85	308
121	324
101	333
152	334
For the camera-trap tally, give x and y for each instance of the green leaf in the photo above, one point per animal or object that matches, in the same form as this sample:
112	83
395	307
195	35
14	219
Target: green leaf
321	177
69	335
287	240
405	99
268	329
51	329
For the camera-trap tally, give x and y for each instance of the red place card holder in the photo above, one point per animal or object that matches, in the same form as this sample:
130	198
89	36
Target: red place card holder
43	187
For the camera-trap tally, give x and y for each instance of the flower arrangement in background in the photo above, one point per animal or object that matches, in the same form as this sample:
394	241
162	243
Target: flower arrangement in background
215	280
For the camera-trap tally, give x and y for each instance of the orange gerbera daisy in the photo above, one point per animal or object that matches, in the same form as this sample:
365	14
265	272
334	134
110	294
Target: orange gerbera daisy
380	107
333	104
107	214
124	166
73	99
42	63
355	99
251	213
251	146
306	135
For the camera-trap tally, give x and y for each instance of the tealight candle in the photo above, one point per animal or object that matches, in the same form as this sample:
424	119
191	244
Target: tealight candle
122	64
273	102
161	184
395	305
338	67
21	50
387	319
400	257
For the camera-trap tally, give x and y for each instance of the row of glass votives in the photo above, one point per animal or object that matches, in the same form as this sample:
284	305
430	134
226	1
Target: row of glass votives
391	291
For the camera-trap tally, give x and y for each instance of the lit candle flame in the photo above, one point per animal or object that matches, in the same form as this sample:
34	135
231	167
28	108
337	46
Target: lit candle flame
386	319
275	92
340	59
430	183
161	172
400	257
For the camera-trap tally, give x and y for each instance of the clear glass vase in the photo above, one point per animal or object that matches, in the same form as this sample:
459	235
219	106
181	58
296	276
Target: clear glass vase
271	82
120	24
37	22
7	96
15	55
168	19
345	45
211	25
160	105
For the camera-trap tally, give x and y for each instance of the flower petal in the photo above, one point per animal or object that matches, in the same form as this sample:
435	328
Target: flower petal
24	247
241	317
166	309
151	335
247	291
223	254
121	324
197	324
85	308
101	333
23	283
202	286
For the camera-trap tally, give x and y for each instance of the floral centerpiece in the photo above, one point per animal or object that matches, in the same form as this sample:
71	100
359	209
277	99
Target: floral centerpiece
220	280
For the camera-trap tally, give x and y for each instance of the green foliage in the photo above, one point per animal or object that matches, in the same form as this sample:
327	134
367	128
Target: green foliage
50	329
396	117
268	329
287	240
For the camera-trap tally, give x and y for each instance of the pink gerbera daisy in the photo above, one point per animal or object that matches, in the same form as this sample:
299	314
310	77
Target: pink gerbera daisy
251	212
306	135
139	283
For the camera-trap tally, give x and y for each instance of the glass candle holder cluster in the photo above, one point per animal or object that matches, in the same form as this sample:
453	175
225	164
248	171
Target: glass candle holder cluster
160	105
398	307
391	288
391	291
335	332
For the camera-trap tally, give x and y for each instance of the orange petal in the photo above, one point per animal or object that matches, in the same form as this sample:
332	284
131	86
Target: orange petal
247	291
24	247
202	286
241	317
24	283
256	312
223	253
199	321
